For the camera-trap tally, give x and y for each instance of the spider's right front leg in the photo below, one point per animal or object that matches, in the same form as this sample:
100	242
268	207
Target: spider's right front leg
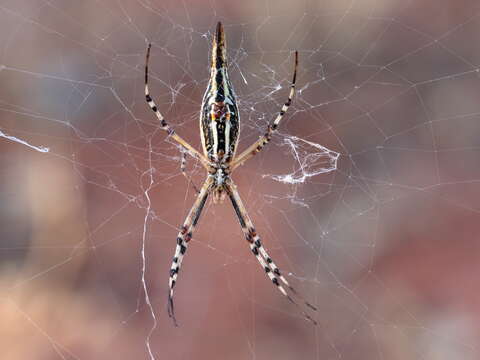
183	237
258	145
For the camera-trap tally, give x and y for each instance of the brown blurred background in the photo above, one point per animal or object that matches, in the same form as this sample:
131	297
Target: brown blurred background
386	246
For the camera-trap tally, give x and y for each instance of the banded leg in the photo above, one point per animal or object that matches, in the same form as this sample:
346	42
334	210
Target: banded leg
183	237
163	123
183	167
257	146
275	269
272	270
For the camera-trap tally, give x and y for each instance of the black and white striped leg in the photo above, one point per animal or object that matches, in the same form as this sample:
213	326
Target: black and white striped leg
183	238
272	270
163	123
257	146
150	101
183	169
258	244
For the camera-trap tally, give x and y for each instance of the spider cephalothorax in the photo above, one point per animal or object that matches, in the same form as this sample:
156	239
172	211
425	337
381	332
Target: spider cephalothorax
219	130
219	173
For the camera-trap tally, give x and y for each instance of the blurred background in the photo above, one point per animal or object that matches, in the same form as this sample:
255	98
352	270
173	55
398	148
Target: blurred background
384	241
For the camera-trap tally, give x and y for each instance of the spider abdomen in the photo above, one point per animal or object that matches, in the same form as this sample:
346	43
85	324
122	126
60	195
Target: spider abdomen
219	118
219	131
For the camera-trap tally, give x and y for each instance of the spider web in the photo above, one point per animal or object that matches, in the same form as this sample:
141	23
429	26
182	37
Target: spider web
366	197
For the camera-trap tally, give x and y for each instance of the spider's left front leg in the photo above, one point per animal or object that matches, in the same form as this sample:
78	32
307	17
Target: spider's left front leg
271	269
183	237
163	123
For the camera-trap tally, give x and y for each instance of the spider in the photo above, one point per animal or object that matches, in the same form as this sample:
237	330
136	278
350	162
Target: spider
219	130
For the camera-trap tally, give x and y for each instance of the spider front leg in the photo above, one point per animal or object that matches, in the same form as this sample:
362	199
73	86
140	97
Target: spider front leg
183	237
257	146
271	269
163	123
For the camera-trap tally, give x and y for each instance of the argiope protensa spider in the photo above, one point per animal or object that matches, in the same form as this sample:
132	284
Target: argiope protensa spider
219	127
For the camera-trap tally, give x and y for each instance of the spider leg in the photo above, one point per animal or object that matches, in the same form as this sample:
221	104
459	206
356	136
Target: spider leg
183	237
183	166
272	271
163	123
257	146
276	270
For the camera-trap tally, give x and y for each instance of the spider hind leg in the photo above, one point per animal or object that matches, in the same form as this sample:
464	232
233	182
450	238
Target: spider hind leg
270	268
183	238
